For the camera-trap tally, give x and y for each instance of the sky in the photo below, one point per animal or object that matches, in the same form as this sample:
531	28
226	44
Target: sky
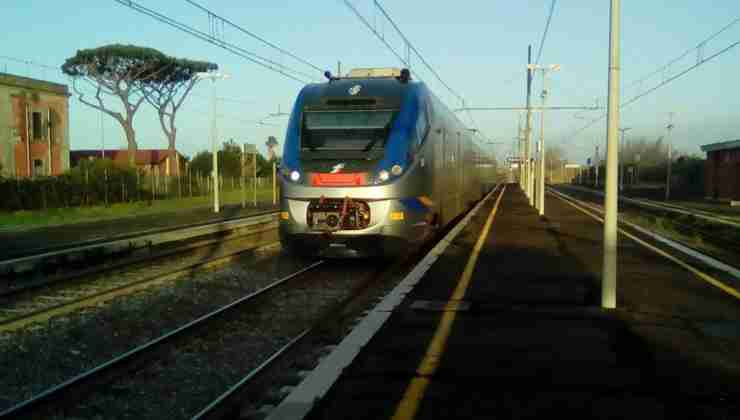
478	48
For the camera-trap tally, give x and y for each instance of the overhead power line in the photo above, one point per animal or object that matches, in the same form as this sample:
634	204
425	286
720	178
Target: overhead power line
544	33
409	46
701	59
28	62
214	16
213	38
412	48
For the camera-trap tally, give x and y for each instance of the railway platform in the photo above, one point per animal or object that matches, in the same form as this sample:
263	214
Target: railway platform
19	243
506	323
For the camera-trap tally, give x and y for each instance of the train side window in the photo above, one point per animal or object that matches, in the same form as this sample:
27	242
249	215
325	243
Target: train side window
422	127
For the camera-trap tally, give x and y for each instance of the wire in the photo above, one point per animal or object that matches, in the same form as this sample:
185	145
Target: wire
264	41
248	55
418	54
699	63
29	62
544	33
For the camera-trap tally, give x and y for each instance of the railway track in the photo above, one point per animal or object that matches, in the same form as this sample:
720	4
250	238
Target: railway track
22	307
729	272
45	266
707	234
71	390
62	396
673	208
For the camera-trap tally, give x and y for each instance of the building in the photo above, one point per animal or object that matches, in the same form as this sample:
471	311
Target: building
156	161
722	171
34	133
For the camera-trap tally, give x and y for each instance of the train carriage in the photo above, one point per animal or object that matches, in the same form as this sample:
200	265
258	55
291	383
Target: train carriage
372	163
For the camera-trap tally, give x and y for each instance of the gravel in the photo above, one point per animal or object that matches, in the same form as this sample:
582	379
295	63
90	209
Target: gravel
186	380
42	355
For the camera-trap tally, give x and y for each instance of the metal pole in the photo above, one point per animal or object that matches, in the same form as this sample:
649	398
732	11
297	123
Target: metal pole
609	273
274	183
541	204
597	166
528	133
668	175
255	178
621	163
244	176
214	134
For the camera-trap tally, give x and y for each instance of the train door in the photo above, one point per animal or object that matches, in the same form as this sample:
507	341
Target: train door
459	167
438	168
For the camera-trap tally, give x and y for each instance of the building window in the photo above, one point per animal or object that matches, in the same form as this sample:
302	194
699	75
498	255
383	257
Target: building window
38	167
37	128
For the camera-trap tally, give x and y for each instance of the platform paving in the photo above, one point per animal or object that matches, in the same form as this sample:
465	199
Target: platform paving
532	342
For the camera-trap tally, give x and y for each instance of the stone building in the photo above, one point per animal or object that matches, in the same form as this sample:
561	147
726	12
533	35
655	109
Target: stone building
34	127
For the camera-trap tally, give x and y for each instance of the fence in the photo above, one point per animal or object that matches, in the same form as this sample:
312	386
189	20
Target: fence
102	184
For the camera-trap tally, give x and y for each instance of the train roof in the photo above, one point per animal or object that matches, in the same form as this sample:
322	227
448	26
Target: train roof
358	93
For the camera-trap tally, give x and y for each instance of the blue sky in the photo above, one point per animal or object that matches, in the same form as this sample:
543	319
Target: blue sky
478	48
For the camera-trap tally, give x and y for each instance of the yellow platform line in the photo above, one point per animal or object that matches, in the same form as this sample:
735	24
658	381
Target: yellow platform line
409	404
702	275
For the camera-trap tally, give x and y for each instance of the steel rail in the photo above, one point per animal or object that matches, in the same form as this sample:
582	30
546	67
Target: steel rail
221	405
672	208
93	299
140	239
107	370
708	260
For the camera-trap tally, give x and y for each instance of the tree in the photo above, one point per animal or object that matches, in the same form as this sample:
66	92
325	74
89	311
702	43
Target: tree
271	144
170	83
116	71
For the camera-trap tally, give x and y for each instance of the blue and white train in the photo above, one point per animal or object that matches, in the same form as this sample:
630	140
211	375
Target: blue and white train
372	163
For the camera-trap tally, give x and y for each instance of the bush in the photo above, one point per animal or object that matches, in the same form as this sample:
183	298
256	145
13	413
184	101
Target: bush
98	182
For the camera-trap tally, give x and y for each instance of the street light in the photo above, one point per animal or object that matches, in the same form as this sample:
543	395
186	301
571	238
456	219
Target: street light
621	158
540	192
213	76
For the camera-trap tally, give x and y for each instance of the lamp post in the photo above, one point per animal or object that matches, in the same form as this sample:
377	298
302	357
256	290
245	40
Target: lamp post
621	160
213	76
541	175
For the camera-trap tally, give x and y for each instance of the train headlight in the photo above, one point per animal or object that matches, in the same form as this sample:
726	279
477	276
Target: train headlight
383	175
295	176
396	170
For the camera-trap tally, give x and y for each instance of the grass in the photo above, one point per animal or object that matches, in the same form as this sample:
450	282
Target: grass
25	219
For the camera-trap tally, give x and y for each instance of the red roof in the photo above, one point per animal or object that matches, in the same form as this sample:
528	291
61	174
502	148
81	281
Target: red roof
143	157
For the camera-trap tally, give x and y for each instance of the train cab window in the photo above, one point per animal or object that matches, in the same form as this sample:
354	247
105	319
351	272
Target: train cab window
346	130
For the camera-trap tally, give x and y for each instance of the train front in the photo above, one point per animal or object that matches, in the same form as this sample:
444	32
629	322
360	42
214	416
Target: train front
351	179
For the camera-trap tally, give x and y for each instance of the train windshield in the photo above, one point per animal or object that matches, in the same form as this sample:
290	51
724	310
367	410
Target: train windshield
361	131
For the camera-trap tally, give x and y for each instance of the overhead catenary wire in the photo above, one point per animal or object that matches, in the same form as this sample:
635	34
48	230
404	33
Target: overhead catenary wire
253	35
418	54
544	33
234	49
699	63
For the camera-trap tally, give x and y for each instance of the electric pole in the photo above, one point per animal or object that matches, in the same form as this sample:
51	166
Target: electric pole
528	132
597	166
609	273
214	134
621	160
541	169
669	127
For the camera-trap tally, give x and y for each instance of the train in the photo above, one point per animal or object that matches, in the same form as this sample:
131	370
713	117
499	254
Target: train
373	163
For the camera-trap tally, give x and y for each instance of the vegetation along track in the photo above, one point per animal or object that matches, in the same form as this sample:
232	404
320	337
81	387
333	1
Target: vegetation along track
21	308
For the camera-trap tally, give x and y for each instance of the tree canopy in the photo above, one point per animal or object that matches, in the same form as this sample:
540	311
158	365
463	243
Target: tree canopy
133	74
115	71
170	81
